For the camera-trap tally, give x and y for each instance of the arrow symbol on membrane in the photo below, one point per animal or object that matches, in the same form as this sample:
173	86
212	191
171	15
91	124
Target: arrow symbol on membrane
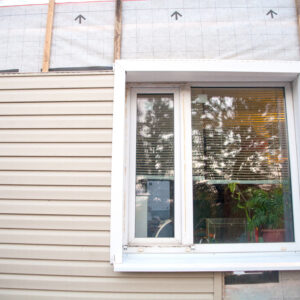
272	13
176	14
79	18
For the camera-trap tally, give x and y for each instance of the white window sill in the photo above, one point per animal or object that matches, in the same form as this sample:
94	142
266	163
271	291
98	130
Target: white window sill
209	262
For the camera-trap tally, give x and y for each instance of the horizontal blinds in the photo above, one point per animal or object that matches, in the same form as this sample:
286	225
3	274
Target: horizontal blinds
155	135
239	134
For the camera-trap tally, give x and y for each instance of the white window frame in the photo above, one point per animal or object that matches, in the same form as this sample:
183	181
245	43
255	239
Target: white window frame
179	254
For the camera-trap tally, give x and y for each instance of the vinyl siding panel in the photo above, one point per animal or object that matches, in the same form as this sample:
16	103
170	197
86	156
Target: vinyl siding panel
57	81
55	163
54	252
55	178
56	95
107	284
71	193
83	269
49	295
55	149
55	237
54	222
56	136
63	108
55	207
58	122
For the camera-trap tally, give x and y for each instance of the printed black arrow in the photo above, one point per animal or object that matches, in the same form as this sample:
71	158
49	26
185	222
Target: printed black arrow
176	14
272	13
80	17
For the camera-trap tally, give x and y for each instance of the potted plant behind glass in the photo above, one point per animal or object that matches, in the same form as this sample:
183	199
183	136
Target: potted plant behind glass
273	229
253	202
263	210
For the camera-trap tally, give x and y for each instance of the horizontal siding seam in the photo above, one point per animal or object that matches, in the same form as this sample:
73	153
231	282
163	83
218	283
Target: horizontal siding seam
106	276
109	292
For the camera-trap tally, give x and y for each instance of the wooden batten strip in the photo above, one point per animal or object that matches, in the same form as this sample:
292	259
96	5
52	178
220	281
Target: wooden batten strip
48	38
118	30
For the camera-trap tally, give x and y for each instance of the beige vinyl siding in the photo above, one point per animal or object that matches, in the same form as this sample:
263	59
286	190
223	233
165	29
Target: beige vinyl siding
55	163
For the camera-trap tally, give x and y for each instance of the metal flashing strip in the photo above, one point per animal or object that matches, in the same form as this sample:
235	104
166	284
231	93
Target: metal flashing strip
161	70
72	69
9	71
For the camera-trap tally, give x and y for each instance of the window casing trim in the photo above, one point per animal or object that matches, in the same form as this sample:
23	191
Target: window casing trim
186	240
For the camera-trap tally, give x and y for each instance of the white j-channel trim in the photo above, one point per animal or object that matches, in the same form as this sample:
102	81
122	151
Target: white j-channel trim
220	262
118	167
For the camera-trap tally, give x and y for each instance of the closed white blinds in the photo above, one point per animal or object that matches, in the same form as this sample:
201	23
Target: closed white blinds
239	134
155	135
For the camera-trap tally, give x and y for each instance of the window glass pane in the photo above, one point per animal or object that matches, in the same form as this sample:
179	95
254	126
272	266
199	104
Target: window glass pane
241	175
154	216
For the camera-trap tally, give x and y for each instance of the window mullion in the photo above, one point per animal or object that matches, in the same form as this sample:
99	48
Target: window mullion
178	173
186	165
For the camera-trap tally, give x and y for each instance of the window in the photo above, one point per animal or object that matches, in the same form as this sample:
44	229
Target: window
210	177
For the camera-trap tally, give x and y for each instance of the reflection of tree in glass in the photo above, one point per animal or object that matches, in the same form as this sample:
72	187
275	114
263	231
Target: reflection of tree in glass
237	138
155	162
155	136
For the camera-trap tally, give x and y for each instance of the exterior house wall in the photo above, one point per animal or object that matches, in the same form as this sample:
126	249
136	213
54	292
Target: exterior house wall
55	162
287	288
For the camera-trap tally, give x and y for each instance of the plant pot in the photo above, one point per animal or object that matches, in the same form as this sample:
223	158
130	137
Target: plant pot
273	235
253	236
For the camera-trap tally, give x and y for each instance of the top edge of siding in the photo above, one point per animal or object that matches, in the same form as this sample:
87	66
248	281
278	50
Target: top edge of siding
58	73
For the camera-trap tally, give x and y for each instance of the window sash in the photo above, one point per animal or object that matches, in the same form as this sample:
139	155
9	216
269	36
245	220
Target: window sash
132	240
265	247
